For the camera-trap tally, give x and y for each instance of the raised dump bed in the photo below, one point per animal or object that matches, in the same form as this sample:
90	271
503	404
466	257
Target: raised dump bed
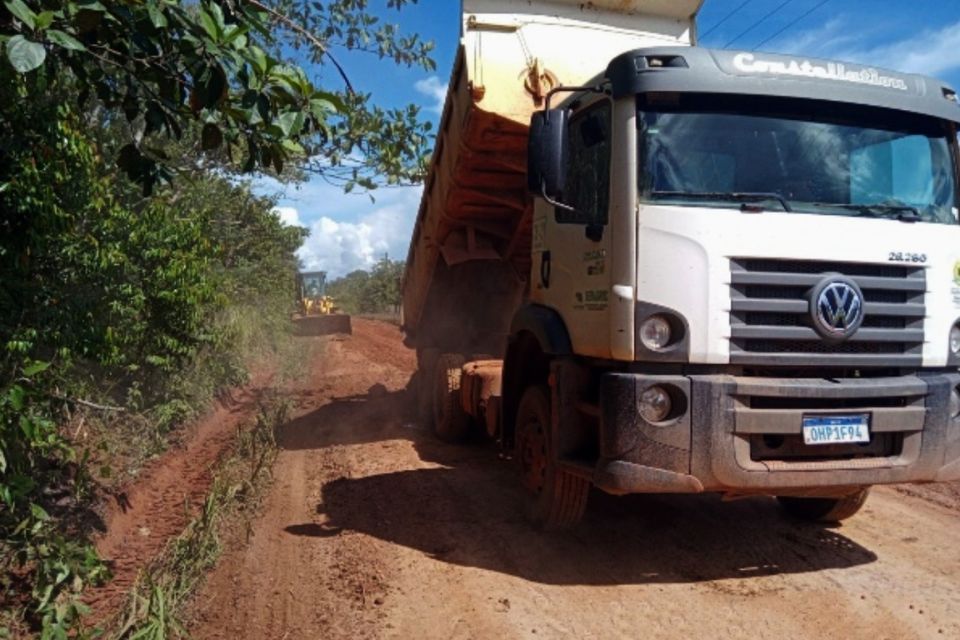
469	257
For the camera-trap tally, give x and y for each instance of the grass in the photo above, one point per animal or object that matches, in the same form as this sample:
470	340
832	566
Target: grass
157	599
120	444
115	447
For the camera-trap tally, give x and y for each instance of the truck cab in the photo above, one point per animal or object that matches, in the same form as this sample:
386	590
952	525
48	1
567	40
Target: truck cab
754	258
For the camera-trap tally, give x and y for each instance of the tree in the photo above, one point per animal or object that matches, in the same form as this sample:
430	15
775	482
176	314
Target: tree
133	277
162	64
111	298
374	291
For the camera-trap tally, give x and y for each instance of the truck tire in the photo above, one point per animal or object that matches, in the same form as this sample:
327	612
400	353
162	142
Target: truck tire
424	385
559	498
825	510
450	422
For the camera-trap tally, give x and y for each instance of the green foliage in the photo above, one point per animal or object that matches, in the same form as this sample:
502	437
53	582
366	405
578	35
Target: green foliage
164	64
35	546
127	299
375	291
130	300
347	24
51	186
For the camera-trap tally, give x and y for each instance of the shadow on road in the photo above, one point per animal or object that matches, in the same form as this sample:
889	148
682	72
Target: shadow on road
470	512
372	417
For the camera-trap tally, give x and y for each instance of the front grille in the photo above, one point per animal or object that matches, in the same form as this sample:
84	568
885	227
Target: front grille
818	267
769	415
794	320
771	323
793	448
819	403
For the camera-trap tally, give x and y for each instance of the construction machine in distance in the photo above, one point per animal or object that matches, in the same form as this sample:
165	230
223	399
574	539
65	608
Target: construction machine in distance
317	313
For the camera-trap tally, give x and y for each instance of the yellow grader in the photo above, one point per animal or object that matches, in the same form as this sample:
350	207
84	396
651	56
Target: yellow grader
317	315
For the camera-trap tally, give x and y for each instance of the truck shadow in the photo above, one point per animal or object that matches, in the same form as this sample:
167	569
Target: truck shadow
377	415
470	511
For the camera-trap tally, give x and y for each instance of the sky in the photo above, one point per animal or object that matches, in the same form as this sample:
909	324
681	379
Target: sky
349	231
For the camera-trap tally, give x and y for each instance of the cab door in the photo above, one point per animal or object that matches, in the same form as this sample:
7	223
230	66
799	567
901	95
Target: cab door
571	258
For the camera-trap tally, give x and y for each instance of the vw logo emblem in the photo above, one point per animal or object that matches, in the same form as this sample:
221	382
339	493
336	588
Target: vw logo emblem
836	305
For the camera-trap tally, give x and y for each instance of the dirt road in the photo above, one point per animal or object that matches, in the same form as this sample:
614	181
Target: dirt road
374	529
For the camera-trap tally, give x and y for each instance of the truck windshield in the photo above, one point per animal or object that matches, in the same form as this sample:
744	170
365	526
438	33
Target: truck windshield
799	164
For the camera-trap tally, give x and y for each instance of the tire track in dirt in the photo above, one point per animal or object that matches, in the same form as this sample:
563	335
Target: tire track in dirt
280	564
162	500
374	529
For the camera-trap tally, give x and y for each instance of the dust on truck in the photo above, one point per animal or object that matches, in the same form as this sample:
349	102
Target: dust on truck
647	266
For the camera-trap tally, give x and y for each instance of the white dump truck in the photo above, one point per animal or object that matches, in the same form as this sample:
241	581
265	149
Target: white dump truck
646	266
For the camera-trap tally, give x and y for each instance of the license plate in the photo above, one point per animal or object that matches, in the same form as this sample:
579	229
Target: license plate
836	429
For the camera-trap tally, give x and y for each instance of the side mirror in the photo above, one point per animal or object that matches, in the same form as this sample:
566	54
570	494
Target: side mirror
547	153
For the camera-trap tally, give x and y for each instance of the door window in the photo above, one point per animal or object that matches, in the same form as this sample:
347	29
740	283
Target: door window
588	175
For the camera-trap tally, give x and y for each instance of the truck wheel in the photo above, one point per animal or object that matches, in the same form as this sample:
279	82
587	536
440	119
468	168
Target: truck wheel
824	509
426	372
450	421
559	497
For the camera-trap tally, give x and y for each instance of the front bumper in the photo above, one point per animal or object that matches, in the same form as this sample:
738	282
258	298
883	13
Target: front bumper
744	435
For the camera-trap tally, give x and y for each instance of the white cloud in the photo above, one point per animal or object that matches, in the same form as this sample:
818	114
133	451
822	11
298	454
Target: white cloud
288	216
348	231
932	52
432	87
339	246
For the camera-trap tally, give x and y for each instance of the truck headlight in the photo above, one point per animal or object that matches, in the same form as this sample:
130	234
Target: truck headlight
655	333
655	404
955	341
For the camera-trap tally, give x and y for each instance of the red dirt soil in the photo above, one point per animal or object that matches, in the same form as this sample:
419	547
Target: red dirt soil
166	496
373	529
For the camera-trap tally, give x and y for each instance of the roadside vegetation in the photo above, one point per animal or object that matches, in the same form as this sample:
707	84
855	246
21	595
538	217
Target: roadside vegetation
373	292
156	602
139	272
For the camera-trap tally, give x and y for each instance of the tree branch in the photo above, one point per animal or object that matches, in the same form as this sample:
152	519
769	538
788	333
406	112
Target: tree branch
314	40
87	403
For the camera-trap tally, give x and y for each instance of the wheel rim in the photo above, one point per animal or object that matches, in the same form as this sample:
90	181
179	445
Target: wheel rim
533	456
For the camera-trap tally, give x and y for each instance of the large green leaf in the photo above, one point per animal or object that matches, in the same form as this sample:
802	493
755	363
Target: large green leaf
34	368
28	427
209	24
326	98
290	123
65	40
156	17
15	396
44	20
38	512
25	55
23	13
258	58
293	147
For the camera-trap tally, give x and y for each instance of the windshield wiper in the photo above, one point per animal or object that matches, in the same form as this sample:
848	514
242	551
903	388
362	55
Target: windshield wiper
901	212
738	196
